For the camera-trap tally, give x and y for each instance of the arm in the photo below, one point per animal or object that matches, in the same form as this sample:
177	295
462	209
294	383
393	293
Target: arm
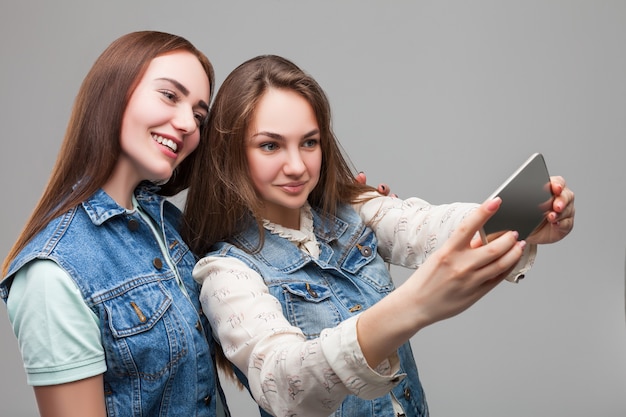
451	280
73	399
410	230
64	359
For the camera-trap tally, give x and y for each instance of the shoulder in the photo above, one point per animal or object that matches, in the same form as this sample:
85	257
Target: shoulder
43	243
41	277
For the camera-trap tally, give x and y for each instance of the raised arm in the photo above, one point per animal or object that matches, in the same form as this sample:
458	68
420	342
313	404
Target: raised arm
451	280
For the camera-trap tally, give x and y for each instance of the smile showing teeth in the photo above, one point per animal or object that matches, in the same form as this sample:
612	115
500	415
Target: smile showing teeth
165	142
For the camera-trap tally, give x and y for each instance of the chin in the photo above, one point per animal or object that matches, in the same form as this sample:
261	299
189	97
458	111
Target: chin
160	182
161	178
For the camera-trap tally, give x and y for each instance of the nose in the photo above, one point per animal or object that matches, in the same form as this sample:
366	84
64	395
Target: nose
184	120
294	164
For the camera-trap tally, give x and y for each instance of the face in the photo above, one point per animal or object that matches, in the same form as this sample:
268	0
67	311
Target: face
160	127
284	154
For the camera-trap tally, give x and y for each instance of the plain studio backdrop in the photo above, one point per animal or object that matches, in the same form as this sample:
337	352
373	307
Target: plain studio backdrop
439	99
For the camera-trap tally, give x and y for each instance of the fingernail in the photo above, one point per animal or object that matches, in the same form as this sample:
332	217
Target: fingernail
494	204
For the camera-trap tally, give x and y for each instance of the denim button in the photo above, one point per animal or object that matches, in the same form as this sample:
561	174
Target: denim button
158	263
133	225
365	250
407	393
198	326
207	400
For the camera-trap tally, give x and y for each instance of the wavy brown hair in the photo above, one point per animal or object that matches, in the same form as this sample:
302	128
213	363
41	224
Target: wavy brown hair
221	199
91	146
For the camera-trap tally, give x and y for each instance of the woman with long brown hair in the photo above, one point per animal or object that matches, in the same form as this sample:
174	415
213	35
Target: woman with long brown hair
297	288
98	285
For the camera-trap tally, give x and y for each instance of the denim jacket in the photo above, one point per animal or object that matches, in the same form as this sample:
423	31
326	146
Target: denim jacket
158	356
349	276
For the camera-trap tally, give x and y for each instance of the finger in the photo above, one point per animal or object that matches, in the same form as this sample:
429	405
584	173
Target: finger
491	283
557	184
468	228
563	206
476	241
502	255
566	225
360	178
383	189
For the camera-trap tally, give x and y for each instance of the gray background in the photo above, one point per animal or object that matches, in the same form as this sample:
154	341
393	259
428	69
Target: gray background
440	99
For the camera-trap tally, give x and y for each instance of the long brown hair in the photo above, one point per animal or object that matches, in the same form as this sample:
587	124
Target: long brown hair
91	145
221	199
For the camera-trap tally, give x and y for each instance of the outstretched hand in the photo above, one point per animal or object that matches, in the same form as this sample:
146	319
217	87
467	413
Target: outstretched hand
459	273
560	220
452	279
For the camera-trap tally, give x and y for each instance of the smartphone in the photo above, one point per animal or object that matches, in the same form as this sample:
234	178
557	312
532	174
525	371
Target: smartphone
526	199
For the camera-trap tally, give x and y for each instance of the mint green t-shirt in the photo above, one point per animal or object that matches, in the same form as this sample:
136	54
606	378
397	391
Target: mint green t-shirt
57	333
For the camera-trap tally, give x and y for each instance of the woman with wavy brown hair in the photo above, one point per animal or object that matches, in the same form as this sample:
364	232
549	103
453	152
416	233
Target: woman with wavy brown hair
295	280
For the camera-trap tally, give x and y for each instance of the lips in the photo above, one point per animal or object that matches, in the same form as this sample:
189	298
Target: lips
165	142
293	188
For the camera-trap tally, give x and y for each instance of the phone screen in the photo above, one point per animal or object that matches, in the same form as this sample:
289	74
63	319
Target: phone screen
526	199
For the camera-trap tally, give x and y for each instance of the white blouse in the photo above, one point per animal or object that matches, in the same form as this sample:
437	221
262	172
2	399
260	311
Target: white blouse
287	374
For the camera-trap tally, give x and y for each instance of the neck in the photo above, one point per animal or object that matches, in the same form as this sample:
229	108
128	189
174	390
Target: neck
120	188
286	217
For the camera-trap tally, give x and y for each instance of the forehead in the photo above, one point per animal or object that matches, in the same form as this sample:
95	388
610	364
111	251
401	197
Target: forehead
183	67
280	107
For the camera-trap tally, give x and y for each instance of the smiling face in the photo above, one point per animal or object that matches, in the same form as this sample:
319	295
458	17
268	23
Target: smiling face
160	127
284	154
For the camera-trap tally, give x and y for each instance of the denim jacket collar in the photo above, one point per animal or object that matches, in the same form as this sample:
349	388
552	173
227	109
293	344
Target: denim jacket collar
287	257
100	207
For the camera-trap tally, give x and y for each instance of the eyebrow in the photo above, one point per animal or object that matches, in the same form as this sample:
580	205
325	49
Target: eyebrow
279	136
184	90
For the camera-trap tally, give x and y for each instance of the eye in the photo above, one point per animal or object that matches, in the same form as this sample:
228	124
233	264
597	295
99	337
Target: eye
170	95
311	143
201	119
268	146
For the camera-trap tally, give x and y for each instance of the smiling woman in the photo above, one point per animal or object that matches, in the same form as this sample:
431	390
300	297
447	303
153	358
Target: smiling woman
298	288
284	155
101	261
161	124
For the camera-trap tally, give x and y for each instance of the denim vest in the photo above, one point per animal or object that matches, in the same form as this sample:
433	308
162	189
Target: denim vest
158	356
315	294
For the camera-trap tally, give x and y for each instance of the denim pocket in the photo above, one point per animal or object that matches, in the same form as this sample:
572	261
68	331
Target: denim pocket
365	264
144	329
309	307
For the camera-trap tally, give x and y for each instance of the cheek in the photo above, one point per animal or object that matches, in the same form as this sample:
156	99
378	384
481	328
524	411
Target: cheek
258	168
314	164
259	174
191	143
